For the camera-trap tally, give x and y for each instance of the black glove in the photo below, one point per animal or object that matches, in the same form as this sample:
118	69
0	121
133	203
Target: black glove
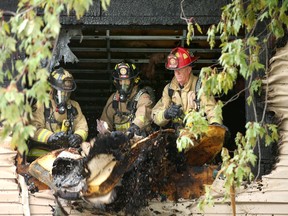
173	111
58	140
132	130
118	138
75	140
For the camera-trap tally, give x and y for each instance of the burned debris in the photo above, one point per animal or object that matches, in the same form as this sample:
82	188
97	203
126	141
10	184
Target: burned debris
121	176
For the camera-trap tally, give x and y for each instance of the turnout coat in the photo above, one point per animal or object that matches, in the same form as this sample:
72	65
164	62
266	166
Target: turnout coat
137	109
186	97
47	125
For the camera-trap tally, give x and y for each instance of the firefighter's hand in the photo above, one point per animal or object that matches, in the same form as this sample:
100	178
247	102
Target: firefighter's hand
75	140
132	130
173	111
58	140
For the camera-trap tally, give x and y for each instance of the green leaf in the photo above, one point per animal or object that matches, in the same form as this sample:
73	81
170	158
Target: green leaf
105	4
198	27
22	26
263	16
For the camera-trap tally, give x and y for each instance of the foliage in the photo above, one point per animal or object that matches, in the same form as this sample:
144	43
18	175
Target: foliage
27	38
240	57
237	169
196	130
190	29
105	4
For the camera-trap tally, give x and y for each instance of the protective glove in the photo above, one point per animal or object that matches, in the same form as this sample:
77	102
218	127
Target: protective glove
75	140
132	130
118	138
173	111
58	140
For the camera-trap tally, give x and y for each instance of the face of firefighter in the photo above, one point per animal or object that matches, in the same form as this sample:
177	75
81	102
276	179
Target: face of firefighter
124	89
61	99
182	75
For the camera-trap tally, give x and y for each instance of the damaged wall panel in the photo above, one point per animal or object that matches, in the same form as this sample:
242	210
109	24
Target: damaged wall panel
143	12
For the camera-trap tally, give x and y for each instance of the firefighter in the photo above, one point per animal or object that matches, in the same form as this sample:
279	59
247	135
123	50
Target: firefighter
129	108
180	95
62	124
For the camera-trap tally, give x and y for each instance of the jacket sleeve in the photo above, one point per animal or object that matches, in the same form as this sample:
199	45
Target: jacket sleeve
108	112
143	112
41	134
159	109
209	104
80	123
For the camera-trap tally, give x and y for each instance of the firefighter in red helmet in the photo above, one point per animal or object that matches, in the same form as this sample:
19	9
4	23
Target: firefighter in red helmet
129	108
180	95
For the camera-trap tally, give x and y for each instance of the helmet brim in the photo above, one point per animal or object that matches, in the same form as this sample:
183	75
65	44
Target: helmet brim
59	88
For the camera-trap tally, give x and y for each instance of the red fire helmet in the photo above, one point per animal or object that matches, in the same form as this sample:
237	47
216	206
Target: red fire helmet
179	57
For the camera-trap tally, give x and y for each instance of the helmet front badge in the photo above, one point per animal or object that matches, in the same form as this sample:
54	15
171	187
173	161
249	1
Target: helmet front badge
123	71
172	61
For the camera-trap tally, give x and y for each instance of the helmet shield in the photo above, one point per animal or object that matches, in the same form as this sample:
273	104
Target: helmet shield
61	97
179	58
124	76
62	84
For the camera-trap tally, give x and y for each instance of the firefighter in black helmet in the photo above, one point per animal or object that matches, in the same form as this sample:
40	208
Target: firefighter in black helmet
129	108
62	84
62	124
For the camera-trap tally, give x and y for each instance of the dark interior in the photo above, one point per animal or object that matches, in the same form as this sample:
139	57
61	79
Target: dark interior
99	49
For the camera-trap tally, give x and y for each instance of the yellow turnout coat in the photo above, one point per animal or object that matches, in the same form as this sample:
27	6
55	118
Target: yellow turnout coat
186	97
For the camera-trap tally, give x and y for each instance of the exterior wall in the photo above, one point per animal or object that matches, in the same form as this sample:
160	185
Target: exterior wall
270	200
15	199
143	12
8	5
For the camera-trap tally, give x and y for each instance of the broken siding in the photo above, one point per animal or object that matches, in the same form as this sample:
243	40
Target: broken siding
14	196
10	200
270	195
15	199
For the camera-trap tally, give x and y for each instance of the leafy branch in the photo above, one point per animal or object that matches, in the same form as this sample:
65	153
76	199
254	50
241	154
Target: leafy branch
240	57
26	42
191	24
